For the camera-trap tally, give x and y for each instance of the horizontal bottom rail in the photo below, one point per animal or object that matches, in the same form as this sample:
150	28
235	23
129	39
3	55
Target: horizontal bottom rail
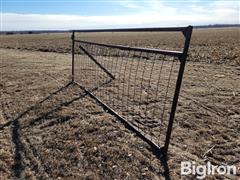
158	151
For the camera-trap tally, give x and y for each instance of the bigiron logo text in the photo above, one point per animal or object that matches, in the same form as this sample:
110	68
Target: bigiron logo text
201	171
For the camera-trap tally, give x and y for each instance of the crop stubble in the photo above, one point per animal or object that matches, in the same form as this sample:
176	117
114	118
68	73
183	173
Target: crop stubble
70	133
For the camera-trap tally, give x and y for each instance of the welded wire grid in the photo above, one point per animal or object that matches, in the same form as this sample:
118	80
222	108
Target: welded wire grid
143	88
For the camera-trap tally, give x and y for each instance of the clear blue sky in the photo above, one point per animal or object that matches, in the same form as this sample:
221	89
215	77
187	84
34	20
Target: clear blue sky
72	14
63	7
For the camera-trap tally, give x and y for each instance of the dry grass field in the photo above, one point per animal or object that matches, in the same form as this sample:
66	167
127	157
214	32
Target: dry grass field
59	132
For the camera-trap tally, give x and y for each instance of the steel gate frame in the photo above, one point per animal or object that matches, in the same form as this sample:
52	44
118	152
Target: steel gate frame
181	55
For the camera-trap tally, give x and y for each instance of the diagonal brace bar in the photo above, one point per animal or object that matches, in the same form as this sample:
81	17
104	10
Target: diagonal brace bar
93	59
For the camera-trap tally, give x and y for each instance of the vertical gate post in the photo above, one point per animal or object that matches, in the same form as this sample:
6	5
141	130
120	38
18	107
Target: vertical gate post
73	44
187	33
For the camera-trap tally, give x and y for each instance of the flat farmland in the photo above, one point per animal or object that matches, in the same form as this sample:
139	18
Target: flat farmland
57	131
224	43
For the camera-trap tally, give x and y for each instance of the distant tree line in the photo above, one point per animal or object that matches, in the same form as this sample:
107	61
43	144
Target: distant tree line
217	26
62	31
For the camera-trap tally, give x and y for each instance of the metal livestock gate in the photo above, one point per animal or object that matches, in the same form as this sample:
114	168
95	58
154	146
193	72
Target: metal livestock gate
139	86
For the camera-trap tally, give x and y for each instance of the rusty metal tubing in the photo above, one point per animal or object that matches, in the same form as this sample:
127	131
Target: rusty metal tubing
157	149
183	58
154	29
147	50
73	52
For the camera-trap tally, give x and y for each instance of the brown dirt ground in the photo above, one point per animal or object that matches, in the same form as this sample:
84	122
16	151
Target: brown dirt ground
68	135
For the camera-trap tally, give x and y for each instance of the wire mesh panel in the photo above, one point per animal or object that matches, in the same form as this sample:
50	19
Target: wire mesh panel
138	84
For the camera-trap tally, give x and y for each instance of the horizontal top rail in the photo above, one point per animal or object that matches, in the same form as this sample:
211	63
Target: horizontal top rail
158	51
156	29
